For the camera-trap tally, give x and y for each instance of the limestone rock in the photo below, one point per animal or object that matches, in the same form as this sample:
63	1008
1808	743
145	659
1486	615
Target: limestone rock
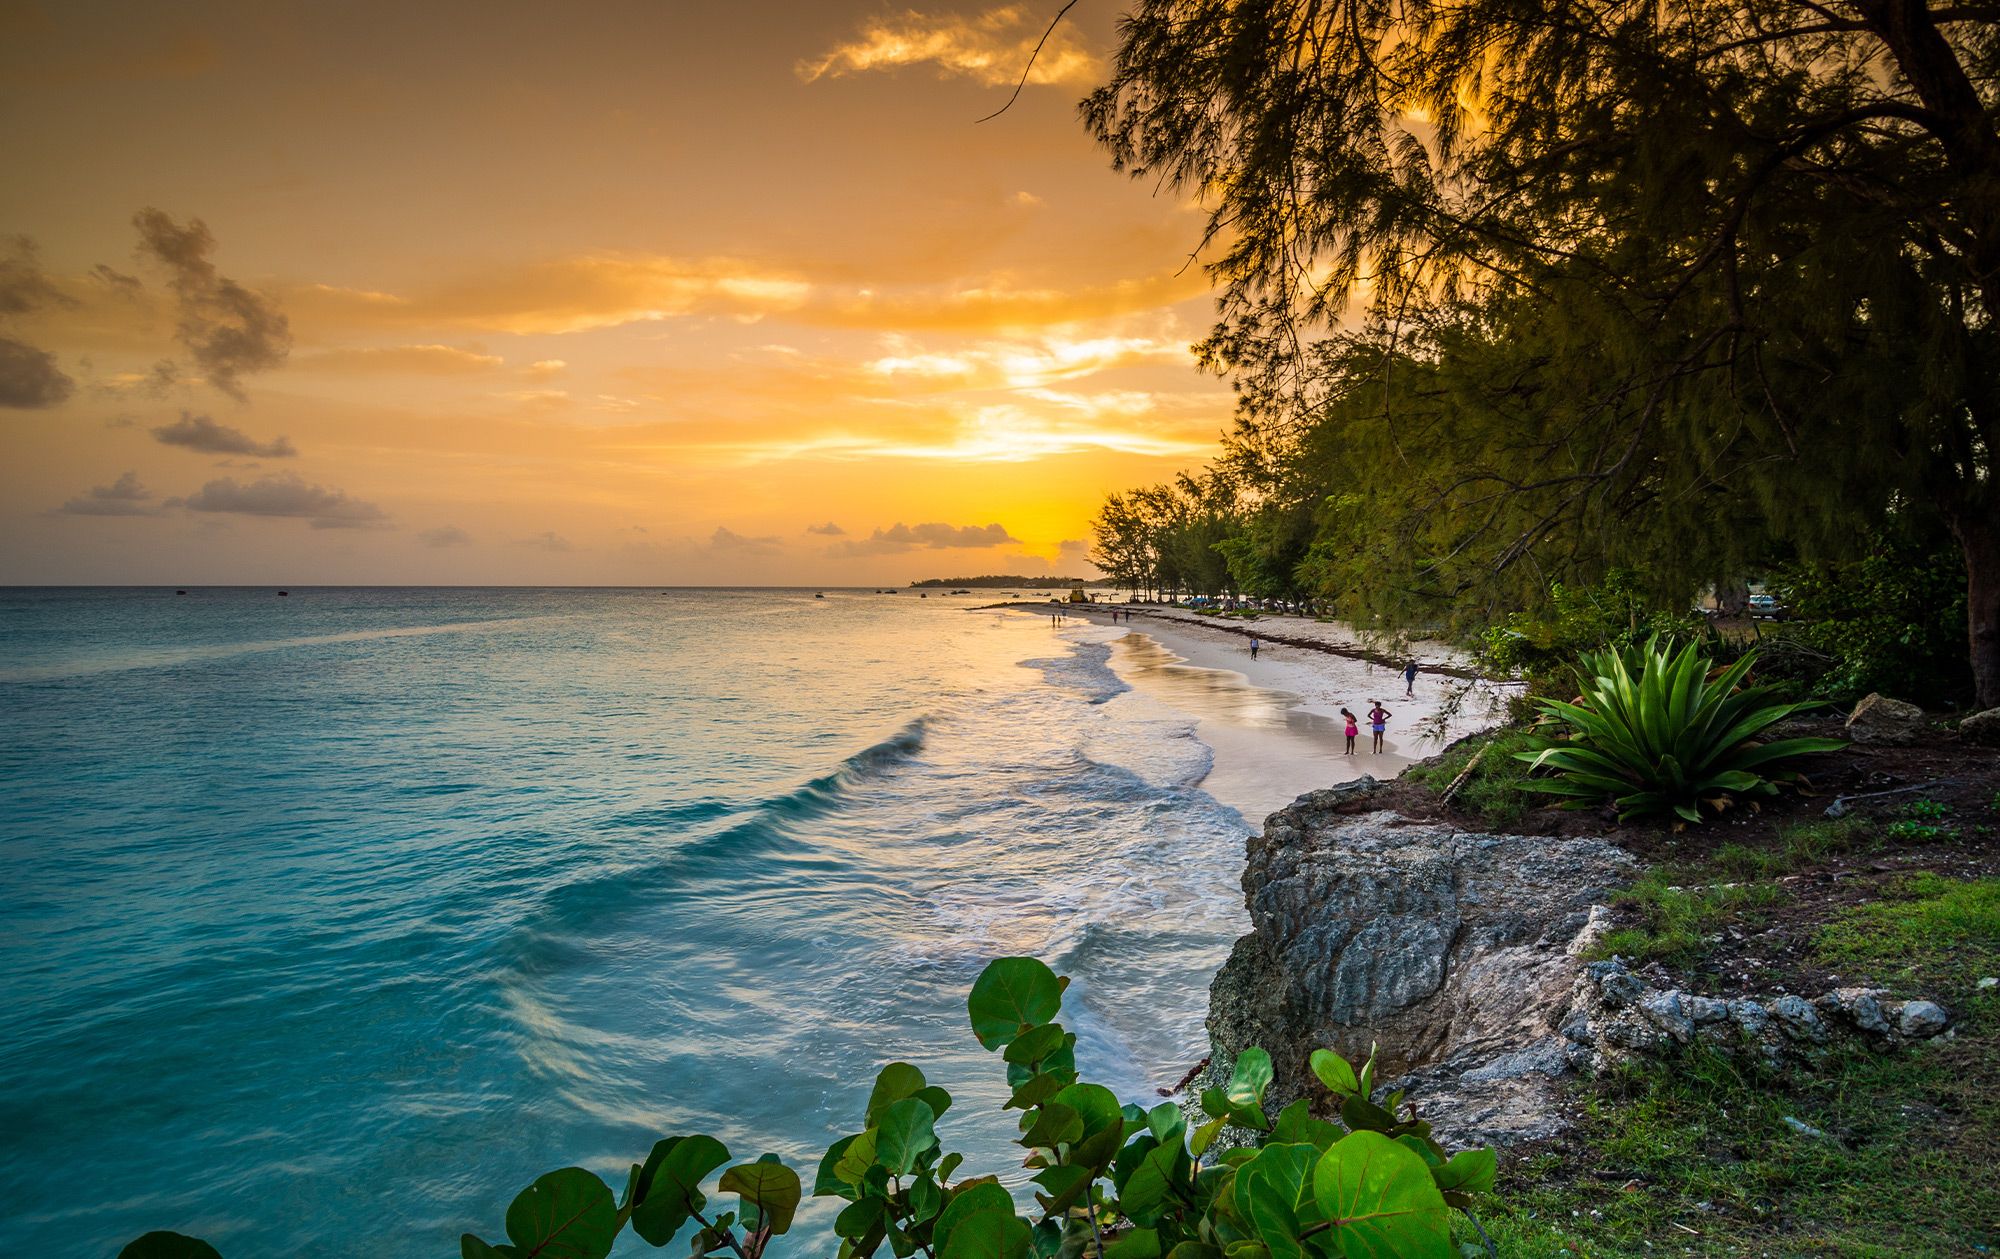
1879	719
1449	950
1919	1019
1981	727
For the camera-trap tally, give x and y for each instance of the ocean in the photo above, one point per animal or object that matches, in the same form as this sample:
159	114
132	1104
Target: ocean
333	919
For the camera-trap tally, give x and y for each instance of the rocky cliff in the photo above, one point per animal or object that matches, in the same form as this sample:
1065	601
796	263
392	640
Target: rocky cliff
1461	955
1454	951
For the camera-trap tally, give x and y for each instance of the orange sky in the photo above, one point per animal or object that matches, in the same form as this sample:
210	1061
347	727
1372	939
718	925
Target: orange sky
660	292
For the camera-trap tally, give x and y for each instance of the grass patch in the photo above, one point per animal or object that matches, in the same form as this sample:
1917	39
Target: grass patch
1693	1156
1678	923
1494	791
1931	932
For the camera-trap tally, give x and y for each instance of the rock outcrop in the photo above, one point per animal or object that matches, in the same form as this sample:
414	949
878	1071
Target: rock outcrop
1454	951
1615	1013
1981	728
1879	719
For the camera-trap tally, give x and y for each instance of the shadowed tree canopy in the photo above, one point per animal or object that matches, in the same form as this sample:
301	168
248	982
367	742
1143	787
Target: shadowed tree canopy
1534	290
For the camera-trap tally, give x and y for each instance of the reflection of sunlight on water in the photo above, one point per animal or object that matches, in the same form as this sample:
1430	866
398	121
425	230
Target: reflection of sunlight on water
1266	749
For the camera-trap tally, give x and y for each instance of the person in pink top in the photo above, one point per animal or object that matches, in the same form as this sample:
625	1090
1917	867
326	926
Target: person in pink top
1378	721
1353	729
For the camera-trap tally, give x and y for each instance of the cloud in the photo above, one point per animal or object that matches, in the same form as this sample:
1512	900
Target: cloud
123	497
729	541
992	48
117	281
935	536
199	432
287	496
549	540
827	530
414	360
29	377
228	329
573	294
444	536
585	292
24	286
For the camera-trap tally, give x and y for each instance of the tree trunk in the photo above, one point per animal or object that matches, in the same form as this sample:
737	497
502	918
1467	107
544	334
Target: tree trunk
1979	537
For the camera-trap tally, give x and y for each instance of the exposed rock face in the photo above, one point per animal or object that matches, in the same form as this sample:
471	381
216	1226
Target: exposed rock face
1879	719
1454	951
1981	727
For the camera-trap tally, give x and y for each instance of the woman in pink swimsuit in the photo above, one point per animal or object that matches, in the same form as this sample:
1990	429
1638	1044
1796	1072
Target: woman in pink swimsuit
1353	728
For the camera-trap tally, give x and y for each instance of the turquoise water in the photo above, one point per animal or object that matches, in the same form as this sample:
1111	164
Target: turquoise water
334	919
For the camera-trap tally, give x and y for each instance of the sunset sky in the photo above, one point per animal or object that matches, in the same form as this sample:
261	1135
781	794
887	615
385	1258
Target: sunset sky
661	292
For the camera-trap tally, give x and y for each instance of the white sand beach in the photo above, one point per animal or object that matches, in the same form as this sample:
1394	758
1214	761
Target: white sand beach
1274	722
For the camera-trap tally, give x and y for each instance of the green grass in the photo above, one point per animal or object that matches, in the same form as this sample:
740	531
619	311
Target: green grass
1494	792
1693	1156
1931	933
1677	921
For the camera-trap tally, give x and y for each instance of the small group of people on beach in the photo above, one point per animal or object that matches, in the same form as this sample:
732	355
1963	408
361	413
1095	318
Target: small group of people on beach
1378	723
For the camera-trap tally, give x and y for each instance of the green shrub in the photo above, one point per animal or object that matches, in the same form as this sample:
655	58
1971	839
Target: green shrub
1658	735
1614	615
1892	622
1114	1182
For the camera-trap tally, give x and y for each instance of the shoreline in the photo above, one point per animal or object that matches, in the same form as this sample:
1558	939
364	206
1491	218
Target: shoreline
1273	723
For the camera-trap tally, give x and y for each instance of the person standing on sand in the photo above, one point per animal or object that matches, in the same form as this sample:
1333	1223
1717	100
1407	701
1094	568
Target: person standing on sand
1353	728
1378	721
1253	646
1410	680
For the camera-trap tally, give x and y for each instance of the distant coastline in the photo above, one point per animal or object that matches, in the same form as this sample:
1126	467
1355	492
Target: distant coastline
1009	581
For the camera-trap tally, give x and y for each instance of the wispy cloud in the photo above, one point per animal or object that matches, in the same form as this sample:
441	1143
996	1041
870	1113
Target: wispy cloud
827	530
731	542
199	432
123	497
413	360
227	328
933	536
993	48
445	536
287	496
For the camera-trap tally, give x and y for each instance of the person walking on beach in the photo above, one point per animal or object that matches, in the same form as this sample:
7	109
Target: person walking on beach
1378	721
1353	728
1410	680
1253	646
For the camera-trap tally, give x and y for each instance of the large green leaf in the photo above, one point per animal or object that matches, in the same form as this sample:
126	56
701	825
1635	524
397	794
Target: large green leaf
1248	1078
1468	1171
1334	1071
972	1199
1380	1201
1270	1190
893	1083
770	1186
166	1245
988	1235
469	1247
828	1183
908	1131
671	1185
566	1214
1010	997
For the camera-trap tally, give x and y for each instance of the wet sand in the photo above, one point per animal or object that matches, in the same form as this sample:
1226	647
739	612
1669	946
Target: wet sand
1274	722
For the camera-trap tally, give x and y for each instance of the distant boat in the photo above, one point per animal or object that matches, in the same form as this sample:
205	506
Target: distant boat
819	596
961	592
283	593
922	595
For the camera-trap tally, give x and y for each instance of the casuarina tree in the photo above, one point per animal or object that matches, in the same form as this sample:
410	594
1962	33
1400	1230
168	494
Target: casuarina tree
1678	287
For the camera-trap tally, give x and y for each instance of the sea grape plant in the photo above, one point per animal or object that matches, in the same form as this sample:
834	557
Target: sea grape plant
1110	1181
1662	732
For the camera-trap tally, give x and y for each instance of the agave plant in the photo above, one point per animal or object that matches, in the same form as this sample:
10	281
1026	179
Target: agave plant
1663	732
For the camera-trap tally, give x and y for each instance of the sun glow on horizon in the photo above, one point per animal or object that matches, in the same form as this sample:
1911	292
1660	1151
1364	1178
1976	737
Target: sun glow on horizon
744	289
